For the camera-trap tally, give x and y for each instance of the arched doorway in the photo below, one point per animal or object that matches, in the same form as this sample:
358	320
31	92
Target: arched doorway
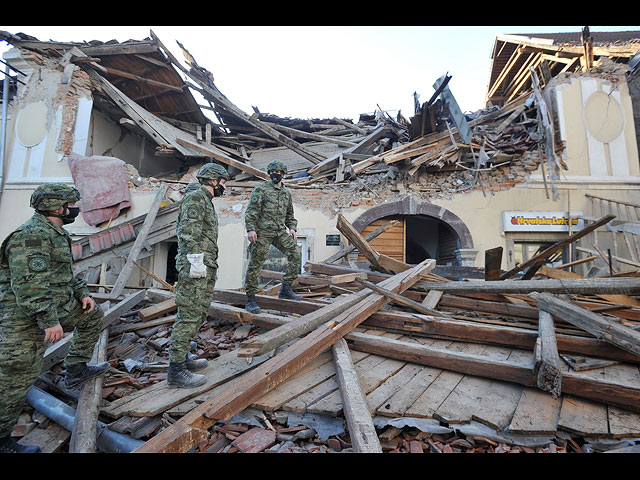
425	231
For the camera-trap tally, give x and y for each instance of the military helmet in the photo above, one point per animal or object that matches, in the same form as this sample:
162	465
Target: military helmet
277	165
51	196
212	171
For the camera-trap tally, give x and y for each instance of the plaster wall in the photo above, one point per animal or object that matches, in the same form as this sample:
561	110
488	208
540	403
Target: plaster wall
597	125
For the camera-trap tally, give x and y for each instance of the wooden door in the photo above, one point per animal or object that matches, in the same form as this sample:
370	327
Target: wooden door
390	243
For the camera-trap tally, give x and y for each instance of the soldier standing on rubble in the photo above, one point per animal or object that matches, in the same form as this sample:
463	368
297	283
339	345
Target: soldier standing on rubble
197	265
38	297
269	221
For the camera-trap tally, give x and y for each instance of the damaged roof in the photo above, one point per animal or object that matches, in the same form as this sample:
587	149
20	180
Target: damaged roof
138	68
550	54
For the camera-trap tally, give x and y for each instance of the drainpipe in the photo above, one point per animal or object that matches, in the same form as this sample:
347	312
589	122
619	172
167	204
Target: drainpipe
107	440
3	135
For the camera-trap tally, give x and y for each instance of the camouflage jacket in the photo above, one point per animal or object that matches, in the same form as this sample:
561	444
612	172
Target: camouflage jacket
197	227
270	209
36	273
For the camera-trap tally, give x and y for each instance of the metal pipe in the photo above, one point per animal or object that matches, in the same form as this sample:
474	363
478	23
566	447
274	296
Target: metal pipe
107	440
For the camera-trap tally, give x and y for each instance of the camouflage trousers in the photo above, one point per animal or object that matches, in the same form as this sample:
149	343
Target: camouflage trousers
193	298
22	349
259	250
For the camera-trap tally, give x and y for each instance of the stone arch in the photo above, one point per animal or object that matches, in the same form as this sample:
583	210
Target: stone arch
411	206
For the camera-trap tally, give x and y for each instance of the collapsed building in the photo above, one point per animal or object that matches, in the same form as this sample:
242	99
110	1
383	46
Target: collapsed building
542	180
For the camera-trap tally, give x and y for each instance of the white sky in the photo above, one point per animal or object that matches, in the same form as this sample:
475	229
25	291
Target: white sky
325	71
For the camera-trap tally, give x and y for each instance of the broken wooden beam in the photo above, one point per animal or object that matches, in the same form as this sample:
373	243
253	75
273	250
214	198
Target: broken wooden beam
301	326
193	426
619	298
436	327
400	300
547	361
362	432
370	236
610	331
84	435
377	260
588	286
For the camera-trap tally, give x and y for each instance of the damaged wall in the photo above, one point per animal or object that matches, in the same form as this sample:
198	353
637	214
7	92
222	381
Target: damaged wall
596	122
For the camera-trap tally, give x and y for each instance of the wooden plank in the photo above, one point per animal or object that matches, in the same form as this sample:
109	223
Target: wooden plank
394	384
583	417
328	385
256	383
314	373
492	262
619	335
433	396
521	372
553	248
158	309
364	438
432	298
400	300
141	237
369	379
622	423
536	413
399	403
461	404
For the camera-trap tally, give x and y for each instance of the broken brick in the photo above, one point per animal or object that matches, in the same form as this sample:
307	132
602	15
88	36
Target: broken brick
255	440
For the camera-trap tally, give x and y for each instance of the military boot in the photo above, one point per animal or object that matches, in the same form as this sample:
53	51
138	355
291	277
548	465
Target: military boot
195	364
180	376
8	445
252	306
78	374
287	292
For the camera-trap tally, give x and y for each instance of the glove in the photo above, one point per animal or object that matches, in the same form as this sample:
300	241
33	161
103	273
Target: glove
198	268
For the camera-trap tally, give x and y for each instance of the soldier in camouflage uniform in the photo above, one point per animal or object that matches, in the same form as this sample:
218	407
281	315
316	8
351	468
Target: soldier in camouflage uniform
269	221
38	297
197	265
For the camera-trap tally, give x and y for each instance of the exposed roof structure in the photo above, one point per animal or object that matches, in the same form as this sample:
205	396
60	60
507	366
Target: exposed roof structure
550	54
138	68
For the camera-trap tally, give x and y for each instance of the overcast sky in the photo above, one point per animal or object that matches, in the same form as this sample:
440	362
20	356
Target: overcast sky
326	71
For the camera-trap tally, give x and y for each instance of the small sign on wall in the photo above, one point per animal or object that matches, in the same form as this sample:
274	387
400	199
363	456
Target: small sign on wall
332	240
519	221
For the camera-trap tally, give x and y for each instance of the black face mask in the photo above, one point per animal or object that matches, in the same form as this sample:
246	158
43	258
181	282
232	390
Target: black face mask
67	218
70	216
275	177
218	190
